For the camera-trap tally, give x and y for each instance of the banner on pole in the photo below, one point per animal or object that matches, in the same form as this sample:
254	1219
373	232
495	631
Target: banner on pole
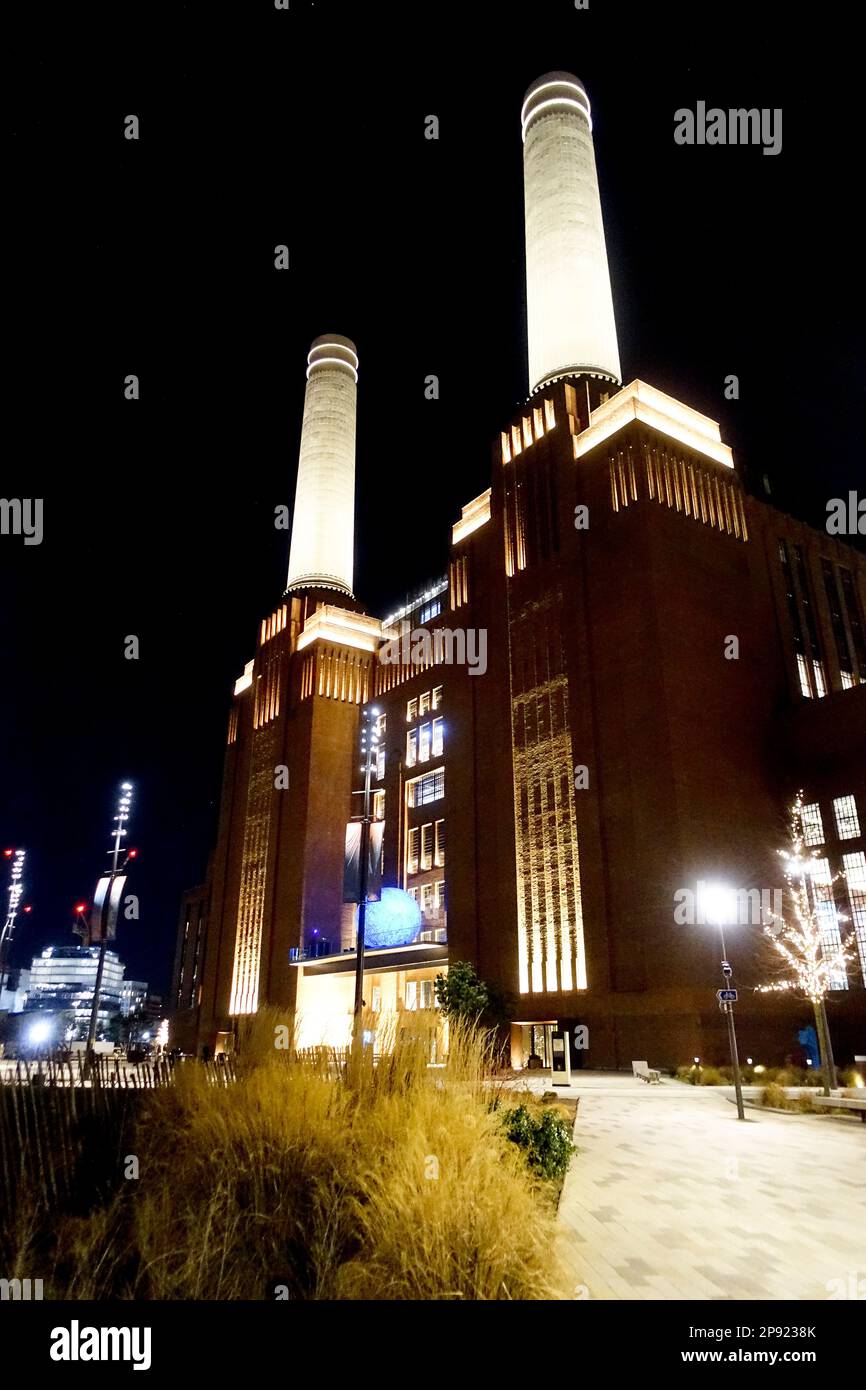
352	862
106	905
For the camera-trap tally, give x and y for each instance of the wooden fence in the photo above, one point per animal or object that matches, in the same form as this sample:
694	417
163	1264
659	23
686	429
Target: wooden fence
65	1128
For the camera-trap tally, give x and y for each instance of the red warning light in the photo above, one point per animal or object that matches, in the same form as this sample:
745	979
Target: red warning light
27	909
132	854
81	907
8	853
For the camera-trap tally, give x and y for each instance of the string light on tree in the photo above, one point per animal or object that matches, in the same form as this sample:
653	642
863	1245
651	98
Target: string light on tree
815	959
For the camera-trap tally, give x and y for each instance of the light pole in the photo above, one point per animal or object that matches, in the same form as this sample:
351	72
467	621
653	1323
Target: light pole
369	750
16	889
718	906
107	909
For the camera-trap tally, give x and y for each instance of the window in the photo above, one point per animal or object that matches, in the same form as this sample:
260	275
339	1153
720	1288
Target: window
411	994
381	725
796	625
847	820
855	878
428	788
424	702
430	610
811	626
411	711
439	855
855	626
813	826
380	764
428	898
411	747
376	1003
426	999
439	896
437	697
828	917
837	622
437	737
379	805
424	743
413	894
414	846
427	846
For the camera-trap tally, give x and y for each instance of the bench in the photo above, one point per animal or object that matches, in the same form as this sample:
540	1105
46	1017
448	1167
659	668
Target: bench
645	1073
843	1103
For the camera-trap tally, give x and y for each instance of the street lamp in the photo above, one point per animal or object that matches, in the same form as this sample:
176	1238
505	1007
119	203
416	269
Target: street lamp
107	907
717	905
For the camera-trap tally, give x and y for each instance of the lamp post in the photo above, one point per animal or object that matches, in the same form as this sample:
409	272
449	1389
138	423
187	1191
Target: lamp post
106	910
718	906
16	889
369	750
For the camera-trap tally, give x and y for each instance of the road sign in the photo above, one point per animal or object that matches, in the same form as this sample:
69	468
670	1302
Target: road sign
726	996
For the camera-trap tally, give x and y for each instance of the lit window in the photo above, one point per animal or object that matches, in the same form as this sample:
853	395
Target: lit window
411	995
427	846
428	898
813	826
847	820
411	711
414	844
427	1000
428	788
437	697
803	670
855	877
376	1003
380	764
424	702
820	684
379	805
440	843
437	737
424	744
439	886
411	748
827	916
413	894
381	724
430	610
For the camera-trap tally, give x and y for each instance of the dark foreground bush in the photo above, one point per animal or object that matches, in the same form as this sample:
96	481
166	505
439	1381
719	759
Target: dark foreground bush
545	1140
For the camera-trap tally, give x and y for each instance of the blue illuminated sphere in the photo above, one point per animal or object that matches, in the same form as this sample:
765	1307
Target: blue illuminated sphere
393	921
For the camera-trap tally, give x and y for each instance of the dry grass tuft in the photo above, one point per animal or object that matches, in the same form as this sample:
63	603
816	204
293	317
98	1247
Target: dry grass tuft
334	1180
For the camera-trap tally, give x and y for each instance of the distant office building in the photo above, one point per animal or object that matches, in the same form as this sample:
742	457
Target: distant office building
133	998
13	994
63	979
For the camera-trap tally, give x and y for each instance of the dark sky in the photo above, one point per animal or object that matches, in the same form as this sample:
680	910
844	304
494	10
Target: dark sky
156	257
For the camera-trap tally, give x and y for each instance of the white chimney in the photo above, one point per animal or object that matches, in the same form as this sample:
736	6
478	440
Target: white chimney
323	525
568	298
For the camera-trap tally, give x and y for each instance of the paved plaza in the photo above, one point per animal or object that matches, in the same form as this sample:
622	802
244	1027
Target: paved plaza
670	1196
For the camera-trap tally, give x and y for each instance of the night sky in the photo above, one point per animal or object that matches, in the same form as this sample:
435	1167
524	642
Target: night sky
156	257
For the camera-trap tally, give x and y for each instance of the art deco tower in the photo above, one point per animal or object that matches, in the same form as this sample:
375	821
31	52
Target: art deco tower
323	526
569	304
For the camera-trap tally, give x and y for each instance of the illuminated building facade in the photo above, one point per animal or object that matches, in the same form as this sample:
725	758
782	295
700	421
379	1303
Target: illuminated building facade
627	672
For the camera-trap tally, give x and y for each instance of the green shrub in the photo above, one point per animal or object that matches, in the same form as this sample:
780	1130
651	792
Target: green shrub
545	1140
805	1104
711	1076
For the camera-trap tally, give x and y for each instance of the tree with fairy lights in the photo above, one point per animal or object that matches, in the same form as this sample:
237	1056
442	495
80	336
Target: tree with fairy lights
815	959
